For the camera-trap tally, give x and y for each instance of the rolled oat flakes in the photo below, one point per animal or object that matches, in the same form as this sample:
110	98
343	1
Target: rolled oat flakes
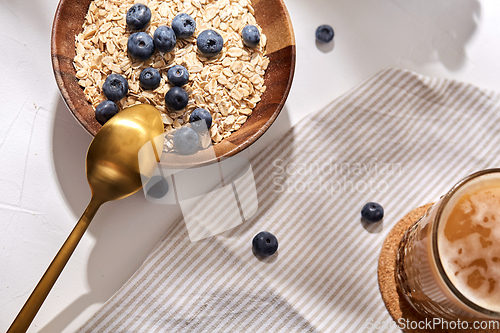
228	85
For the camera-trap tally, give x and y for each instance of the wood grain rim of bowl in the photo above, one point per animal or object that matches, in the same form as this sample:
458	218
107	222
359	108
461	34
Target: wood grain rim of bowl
275	22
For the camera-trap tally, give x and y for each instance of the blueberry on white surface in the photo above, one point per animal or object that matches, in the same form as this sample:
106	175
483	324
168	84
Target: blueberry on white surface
209	43
265	244
200	120
250	35
150	78
138	16
105	111
164	39
183	25
115	87
176	98
324	33
140	45
178	75
372	212
186	141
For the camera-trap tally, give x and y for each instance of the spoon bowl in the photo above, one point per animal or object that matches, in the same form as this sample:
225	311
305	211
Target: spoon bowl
112	169
113	173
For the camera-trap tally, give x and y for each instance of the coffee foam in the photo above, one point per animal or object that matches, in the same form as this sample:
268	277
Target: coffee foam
469	241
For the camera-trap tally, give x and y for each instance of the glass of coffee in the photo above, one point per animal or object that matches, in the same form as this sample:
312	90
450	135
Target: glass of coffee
448	261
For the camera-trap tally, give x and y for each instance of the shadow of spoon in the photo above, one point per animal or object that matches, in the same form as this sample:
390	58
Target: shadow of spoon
113	173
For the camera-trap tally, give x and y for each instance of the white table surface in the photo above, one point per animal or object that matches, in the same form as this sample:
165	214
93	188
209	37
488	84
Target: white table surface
43	188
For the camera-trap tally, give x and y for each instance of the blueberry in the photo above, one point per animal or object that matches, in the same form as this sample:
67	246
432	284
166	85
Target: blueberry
324	33
186	141
149	78
265	244
372	212
176	98
159	188
138	16
209	43
183	25
140	45
115	87
200	120
178	75
251	35
105	111
164	39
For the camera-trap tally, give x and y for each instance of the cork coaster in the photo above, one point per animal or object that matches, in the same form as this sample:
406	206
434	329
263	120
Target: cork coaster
395	302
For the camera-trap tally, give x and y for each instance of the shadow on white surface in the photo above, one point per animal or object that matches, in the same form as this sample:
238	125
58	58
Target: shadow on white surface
70	143
431	37
372	228
409	31
125	231
325	47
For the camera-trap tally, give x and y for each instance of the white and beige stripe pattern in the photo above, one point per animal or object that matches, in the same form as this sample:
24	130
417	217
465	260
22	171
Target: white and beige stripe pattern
400	139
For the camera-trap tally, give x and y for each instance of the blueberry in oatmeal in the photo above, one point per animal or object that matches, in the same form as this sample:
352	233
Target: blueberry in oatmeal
186	141
176	98
150	78
115	87
265	244
324	33
250	35
140	46
178	75
164	39
183	25
105	111
372	212
209	43
200	120
138	16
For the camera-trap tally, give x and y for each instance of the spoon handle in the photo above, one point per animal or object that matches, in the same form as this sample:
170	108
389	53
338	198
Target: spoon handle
42	289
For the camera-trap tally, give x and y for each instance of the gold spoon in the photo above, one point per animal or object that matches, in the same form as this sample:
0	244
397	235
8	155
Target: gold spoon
113	173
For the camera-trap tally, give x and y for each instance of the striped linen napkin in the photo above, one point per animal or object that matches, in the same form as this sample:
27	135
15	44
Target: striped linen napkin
400	139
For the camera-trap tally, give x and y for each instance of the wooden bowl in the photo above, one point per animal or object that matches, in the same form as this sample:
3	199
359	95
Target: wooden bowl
271	15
